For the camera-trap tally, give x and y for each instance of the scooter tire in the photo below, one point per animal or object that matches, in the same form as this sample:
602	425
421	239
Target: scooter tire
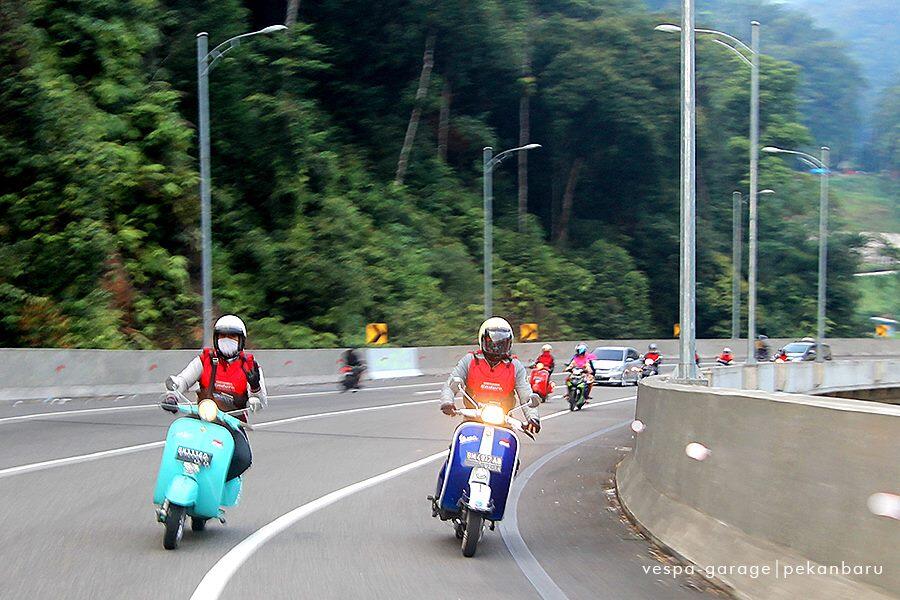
198	524
174	526
471	534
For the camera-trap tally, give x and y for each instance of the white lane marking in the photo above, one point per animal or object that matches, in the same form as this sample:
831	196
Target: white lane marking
427	392
365	389
74	412
59	462
146	406
339	412
216	579
509	526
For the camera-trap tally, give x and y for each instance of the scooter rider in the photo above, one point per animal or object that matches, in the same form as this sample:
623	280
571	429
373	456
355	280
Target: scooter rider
229	376
653	353
355	363
546	357
582	360
493	373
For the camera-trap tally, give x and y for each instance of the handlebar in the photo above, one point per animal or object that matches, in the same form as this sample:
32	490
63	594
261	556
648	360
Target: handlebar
187	407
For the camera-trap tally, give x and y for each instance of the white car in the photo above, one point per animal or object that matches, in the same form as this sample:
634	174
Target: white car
617	365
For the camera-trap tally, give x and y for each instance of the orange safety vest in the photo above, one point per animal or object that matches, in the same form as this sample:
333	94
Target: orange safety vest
492	384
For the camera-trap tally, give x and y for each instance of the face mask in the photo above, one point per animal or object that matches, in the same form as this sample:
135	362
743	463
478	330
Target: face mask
227	347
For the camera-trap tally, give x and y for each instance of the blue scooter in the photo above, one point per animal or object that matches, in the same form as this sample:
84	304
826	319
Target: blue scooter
195	460
474	484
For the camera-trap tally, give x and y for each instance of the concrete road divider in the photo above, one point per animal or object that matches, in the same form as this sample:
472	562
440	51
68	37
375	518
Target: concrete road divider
784	484
41	373
386	363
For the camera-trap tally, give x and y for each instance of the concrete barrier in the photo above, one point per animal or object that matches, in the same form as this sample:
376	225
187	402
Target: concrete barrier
386	363
42	373
785	485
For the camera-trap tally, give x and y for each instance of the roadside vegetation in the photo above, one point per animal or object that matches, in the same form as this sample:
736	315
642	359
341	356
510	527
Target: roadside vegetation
346	174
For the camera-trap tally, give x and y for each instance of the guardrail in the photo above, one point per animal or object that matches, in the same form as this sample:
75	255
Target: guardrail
41	373
779	480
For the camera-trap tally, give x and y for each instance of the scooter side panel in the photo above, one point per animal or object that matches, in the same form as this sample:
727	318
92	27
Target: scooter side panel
202	436
468	439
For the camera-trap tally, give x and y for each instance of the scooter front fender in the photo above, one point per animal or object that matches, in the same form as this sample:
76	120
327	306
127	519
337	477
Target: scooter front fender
182	491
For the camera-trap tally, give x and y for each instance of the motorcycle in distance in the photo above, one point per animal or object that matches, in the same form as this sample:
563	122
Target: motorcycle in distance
650	368
576	385
474	484
350	377
725	359
195	460
540	381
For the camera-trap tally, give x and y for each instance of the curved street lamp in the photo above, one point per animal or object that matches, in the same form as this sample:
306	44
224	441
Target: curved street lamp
205	63
740	49
489	162
821	165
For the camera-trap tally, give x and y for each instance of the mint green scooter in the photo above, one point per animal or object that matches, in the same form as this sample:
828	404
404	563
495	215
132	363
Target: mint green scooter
195	460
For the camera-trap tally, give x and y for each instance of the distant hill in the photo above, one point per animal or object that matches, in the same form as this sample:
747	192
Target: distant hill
871	29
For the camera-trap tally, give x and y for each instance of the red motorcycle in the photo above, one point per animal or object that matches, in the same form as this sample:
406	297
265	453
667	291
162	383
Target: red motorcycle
540	381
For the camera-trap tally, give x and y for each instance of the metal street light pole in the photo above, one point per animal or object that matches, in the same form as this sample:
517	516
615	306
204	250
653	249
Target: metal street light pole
821	165
205	217
753	63
488	163
205	62
823	254
736	238
687	367
754	172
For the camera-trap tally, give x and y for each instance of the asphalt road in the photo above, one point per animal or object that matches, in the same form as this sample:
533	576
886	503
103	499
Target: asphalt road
78	519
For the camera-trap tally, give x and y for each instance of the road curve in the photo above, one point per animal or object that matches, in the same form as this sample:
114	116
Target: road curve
86	529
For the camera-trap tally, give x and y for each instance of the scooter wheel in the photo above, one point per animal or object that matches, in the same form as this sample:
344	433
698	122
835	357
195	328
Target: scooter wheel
471	534
198	524
174	526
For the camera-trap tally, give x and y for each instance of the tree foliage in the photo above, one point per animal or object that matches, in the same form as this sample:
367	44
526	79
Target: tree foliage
312	237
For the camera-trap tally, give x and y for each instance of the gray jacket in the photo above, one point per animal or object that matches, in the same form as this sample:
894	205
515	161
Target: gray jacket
461	370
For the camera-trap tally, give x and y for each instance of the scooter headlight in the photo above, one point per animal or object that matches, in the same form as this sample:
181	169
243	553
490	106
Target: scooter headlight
208	410
493	414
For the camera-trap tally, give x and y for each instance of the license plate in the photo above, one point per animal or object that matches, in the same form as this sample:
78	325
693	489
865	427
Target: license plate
198	457
488	461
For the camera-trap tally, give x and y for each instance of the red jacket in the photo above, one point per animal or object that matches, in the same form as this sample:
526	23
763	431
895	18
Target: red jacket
231	390
547	359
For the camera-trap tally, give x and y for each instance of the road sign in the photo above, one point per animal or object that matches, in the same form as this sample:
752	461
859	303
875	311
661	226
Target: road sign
528	332
377	334
882	330
677	329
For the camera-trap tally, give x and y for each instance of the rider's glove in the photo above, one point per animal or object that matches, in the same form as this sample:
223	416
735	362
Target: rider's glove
170	403
448	409
173	382
253	377
533	425
254	404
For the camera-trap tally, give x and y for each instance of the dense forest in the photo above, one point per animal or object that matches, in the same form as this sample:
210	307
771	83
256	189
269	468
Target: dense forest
346	176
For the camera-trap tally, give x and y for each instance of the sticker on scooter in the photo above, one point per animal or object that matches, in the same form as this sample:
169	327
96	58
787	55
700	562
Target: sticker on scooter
198	457
488	461
467	439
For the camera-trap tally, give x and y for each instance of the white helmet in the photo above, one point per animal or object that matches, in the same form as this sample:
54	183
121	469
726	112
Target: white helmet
546	348
495	337
727	351
232	325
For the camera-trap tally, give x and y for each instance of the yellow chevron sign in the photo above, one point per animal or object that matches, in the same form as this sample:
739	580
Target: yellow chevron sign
377	334
528	332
